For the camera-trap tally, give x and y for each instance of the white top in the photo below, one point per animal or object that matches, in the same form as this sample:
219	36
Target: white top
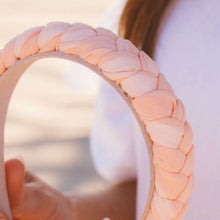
187	53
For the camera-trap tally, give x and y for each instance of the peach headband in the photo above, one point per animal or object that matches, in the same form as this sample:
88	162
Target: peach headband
138	80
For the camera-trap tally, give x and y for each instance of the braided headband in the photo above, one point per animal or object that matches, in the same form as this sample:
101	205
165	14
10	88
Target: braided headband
136	77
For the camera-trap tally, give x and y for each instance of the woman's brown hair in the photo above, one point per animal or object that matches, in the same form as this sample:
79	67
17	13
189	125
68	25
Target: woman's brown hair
139	22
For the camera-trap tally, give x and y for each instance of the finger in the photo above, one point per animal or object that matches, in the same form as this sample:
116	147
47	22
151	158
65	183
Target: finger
15	171
37	201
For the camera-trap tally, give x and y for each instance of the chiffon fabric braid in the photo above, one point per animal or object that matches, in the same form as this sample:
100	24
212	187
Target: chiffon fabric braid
161	113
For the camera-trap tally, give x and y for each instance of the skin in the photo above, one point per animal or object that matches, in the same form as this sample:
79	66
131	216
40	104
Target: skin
32	199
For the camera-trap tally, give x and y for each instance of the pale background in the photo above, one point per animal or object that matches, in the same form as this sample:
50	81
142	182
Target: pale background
48	122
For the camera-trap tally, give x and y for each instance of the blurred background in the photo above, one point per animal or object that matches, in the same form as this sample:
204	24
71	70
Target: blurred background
50	114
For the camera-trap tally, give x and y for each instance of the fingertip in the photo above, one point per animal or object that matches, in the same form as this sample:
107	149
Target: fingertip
14	166
16	162
15	172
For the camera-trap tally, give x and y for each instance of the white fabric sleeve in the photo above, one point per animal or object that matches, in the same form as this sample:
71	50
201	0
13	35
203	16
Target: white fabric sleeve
111	137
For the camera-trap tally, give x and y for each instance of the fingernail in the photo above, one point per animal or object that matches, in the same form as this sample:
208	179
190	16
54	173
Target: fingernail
20	158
